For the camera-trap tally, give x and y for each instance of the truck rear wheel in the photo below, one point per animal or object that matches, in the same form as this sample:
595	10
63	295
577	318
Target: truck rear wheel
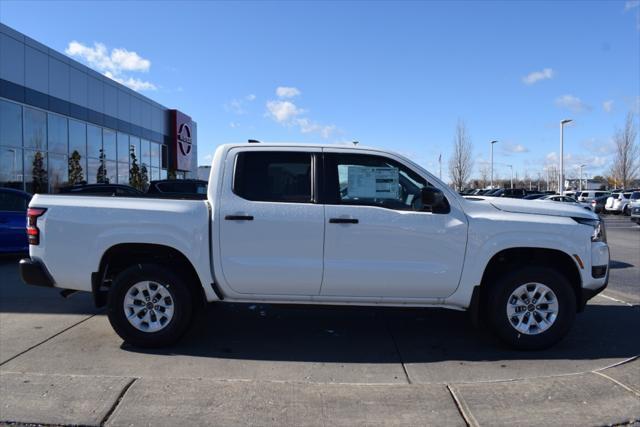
532	308
149	306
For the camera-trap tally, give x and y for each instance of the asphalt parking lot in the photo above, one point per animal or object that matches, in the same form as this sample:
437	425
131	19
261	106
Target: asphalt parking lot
61	363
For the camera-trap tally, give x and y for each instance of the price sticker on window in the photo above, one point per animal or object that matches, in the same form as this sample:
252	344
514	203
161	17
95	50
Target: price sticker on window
372	182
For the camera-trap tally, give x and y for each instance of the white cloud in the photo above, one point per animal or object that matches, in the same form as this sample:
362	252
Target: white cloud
307	126
508	147
631	4
234	125
573	103
131	82
115	64
287	113
237	105
536	76
287	92
282	111
608	105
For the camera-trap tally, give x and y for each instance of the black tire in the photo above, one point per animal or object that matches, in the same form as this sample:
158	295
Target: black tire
181	302
499	295
626	211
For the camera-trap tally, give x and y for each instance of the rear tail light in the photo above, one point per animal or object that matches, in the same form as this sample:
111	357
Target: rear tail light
32	224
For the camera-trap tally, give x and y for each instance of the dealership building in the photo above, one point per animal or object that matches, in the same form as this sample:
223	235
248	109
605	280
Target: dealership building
63	123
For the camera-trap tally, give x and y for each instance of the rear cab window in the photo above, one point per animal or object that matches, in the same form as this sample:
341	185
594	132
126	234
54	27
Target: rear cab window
273	176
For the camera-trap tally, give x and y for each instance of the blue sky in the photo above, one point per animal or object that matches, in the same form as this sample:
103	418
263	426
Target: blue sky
396	75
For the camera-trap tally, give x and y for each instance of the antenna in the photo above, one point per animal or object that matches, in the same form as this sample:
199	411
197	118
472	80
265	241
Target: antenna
355	143
253	141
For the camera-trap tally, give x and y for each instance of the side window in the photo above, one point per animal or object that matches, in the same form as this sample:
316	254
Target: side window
273	176
360	179
12	202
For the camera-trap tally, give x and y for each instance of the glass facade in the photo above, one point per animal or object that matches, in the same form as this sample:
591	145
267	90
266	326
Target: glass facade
41	151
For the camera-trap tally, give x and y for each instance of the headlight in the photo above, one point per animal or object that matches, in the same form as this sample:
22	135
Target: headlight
599	233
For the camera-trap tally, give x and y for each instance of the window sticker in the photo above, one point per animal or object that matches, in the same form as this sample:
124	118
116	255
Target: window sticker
373	182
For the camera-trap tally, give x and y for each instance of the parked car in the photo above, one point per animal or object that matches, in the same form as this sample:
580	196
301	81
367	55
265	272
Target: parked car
618	203
381	231
564	199
494	193
514	193
13	220
597	204
589	195
635	212
533	196
114	190
179	188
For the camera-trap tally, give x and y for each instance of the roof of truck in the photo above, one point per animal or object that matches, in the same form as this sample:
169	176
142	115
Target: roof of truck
303	144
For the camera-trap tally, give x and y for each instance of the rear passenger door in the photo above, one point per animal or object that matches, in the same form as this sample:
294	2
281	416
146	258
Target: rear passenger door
271	228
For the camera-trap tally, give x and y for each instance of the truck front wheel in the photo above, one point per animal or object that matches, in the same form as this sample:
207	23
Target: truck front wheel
531	308
149	306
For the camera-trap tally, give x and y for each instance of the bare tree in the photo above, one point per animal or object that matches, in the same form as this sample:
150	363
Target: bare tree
626	161
484	176
461	162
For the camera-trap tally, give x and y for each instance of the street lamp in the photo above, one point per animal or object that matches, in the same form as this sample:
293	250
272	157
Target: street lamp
581	166
561	180
492	142
511	166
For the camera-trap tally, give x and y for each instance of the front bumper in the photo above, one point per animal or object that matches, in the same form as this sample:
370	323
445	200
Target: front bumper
587	294
33	272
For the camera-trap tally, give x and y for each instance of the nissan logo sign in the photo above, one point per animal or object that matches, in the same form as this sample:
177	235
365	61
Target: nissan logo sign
184	139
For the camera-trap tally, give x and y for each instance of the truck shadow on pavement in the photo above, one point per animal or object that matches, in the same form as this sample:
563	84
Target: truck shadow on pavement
383	335
619	264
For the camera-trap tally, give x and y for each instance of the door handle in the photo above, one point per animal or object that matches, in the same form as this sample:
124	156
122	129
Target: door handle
239	217
343	221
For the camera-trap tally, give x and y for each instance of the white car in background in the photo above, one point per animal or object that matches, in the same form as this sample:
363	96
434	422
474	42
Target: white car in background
588	196
620	202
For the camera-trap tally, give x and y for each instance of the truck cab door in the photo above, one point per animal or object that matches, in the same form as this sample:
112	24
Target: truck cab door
271	229
380	241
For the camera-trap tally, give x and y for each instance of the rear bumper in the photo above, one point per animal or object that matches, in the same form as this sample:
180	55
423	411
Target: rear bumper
33	272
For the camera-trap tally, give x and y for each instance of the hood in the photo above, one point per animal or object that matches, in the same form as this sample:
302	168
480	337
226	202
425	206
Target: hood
537	207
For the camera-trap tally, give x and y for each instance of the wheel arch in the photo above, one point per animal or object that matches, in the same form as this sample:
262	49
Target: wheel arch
510	258
123	255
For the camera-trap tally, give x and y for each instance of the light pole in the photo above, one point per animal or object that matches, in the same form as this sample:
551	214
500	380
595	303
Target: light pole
492	142
561	180
581	166
511	166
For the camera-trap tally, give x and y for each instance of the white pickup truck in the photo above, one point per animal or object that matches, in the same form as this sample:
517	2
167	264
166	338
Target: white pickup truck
320	224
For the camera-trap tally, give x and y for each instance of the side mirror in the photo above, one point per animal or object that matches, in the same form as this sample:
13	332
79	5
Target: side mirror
434	200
